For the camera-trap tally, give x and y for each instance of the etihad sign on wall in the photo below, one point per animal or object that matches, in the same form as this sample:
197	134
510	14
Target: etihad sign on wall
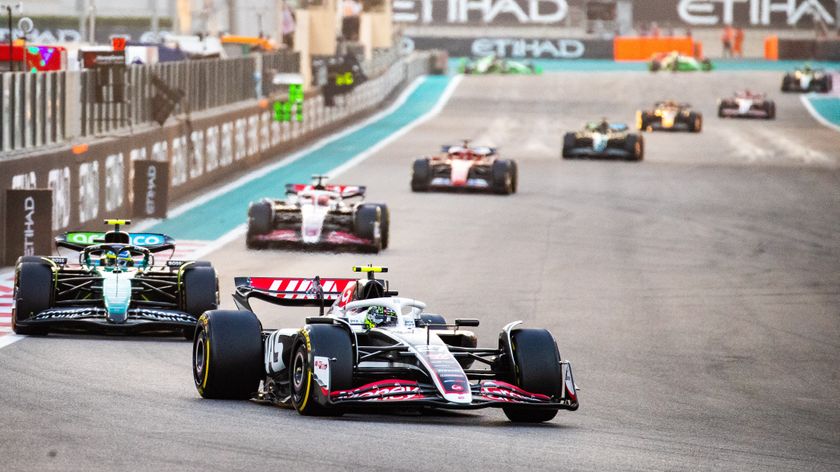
480	11
716	12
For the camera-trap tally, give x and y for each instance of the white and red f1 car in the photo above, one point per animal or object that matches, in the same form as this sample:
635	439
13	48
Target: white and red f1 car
465	167
747	104
373	348
319	215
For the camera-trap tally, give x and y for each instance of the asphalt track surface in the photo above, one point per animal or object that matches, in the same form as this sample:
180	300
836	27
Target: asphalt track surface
696	294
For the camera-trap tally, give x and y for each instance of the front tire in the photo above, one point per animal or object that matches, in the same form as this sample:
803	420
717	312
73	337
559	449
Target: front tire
228	355
504	177
696	122
635	147
421	176
33	294
199	290
536	361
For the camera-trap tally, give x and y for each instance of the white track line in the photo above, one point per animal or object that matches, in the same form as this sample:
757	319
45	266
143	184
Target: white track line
817	116
259	172
7	339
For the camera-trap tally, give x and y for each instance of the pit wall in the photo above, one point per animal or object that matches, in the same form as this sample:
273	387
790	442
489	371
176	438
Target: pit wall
96	183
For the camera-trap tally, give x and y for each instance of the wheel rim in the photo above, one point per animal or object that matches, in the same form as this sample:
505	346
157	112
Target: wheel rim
298	372
200	356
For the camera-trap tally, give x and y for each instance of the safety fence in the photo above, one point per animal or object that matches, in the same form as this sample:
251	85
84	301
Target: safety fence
199	152
32	109
39	109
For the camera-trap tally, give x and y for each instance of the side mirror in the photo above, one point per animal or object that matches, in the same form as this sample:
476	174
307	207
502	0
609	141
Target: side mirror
471	322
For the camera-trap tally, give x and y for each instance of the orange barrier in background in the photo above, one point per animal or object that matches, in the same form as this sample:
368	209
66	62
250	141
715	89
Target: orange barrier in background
641	49
771	48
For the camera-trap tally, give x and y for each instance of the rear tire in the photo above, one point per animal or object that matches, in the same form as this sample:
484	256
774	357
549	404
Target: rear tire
643	121
384	224
328	341
260	221
33	294
771	111
364	224
537	370
421	176
228	355
569	142
786	82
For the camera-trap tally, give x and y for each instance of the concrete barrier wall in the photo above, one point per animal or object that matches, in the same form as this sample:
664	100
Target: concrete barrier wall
96	184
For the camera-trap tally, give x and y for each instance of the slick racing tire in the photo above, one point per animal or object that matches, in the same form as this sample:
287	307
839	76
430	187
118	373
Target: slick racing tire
260	218
228	355
635	146
786	83
199	290
324	342
569	143
33	294
421	176
771	110
364	224
824	86
643	120
695	122
504	176
384	223
720	111
537	369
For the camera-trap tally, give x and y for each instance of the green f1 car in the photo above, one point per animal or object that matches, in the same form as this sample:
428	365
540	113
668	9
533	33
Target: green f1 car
494	65
114	287
676	62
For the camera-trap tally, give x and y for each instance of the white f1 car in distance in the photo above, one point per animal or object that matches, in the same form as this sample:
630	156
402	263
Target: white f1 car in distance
373	349
319	215
747	104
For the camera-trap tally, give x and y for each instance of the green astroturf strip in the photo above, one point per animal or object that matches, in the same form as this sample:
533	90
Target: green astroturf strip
214	218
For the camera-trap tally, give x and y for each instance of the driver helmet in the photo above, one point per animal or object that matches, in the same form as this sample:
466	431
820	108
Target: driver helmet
124	259
323	200
108	259
380	316
604	126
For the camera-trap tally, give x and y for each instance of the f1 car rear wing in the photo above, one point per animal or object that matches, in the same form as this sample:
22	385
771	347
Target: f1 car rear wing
346	191
78	240
288	291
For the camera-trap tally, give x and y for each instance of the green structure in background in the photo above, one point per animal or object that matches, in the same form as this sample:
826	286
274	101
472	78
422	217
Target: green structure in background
283	110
